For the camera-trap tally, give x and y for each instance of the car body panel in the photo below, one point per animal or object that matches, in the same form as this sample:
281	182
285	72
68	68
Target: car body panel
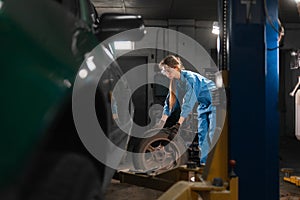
39	66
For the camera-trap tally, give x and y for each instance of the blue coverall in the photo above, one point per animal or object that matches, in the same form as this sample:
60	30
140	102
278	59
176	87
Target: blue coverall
190	89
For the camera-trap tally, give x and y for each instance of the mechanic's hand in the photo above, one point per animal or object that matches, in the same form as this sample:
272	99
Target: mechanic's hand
160	124
173	131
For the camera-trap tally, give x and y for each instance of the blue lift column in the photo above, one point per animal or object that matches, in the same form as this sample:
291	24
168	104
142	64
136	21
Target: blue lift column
253	97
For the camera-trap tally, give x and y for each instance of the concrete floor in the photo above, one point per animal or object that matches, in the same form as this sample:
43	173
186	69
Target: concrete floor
289	158
123	191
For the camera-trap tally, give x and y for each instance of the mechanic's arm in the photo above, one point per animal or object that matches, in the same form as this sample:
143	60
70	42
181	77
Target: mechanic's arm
181	120
188	104
165	115
166	110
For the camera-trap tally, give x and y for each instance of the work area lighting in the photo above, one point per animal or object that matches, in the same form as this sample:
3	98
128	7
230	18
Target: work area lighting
298	6
216	28
123	45
295	59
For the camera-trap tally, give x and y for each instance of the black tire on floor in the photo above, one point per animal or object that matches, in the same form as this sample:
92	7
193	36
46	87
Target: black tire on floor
74	177
159	153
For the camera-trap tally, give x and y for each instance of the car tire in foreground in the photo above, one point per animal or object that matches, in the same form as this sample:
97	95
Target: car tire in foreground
159	153
74	177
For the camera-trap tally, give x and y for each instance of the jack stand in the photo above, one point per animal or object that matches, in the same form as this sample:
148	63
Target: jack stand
291	179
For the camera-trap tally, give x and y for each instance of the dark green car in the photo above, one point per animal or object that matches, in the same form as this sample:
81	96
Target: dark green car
43	43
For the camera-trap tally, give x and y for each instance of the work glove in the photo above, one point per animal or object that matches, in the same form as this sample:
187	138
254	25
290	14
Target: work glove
173	130
160	124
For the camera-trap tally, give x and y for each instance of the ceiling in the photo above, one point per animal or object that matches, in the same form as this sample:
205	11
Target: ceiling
161	9
183	9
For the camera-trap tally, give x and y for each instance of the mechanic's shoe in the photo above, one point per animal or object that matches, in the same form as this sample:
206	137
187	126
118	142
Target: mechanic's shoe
202	165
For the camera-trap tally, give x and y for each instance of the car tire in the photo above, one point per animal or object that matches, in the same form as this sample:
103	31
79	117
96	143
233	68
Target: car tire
74	177
159	153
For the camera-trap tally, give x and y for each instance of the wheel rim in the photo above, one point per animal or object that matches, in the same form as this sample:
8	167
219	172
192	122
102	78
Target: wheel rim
160	154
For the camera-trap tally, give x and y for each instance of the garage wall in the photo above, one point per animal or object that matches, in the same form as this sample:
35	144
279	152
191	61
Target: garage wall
200	31
196	29
288	80
292	36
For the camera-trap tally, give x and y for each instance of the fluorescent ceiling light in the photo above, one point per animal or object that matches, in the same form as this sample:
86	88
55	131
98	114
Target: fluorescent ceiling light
293	53
83	73
90	63
123	45
298	6
216	28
